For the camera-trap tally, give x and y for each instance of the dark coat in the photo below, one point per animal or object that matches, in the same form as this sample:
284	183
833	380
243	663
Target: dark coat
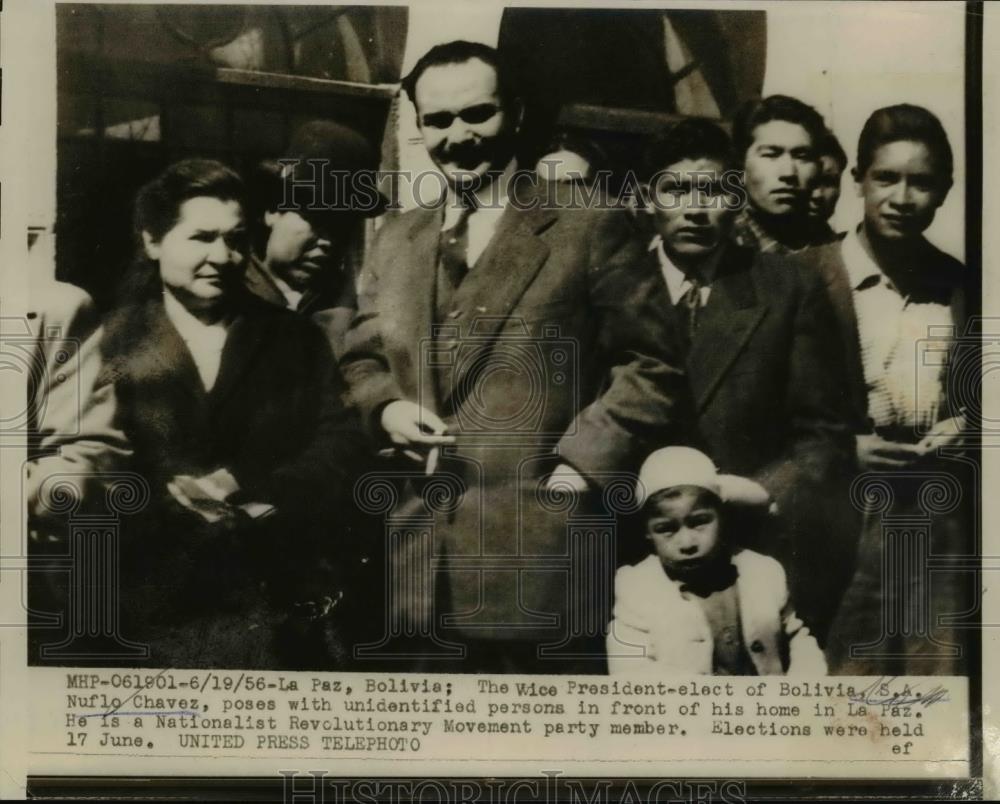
552	350
275	419
766	373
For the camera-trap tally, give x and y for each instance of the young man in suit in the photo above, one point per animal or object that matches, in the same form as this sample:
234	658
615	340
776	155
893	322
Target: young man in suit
776	141
762	364
507	347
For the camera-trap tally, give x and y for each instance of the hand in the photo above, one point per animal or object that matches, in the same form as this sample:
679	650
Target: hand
944	434
877	454
565	478
205	496
416	430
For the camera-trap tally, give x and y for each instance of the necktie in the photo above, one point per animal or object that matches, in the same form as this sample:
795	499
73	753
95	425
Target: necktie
689	306
453	250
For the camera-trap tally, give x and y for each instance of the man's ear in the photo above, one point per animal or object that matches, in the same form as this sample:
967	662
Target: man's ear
270	218
858	179
151	246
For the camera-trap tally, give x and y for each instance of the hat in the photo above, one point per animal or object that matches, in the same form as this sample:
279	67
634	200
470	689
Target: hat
328	151
684	466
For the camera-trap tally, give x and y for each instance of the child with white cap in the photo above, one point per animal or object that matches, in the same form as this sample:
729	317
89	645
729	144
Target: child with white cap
698	605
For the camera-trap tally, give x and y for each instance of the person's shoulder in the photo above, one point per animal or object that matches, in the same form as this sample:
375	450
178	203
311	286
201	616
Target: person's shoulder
759	565
943	266
62	305
631	579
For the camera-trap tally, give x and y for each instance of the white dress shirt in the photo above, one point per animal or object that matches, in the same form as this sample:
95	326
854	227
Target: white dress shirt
903	369
677	281
491	201
205	342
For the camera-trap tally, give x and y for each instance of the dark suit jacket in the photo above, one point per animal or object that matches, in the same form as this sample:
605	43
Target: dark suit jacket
937	278
274	418
765	372
553	349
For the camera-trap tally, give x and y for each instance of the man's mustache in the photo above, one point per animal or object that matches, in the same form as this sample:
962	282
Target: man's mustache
465	153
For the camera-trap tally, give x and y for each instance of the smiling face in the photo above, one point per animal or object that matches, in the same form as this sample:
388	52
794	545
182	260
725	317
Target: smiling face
300	251
466	130
779	168
203	255
902	190
683	527
691	213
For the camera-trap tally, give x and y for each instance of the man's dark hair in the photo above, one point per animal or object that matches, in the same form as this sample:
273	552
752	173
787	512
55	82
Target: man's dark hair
692	138
459	52
158	203
830	146
905	122
775	107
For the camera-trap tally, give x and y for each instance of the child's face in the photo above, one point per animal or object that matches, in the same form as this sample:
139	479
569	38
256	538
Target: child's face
683	527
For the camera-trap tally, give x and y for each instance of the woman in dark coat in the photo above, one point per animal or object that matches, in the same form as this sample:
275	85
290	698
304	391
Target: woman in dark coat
233	410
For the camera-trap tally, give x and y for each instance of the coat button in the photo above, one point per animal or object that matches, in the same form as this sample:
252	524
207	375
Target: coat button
757	646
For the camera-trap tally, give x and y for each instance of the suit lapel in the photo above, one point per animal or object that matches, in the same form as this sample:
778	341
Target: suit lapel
733	312
839	291
260	283
502	274
410	288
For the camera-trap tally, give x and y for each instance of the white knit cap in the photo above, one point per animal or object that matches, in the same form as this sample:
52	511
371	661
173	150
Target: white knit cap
684	466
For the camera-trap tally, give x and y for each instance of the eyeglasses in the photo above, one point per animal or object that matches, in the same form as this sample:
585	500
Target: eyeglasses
472	115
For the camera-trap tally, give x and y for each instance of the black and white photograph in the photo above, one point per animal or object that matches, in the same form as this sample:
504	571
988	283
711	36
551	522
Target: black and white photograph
524	377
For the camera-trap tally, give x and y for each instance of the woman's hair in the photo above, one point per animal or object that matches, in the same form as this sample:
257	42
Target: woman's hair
905	122
158	203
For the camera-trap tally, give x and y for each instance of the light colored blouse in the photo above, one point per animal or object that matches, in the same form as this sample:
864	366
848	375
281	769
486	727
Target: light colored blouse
900	342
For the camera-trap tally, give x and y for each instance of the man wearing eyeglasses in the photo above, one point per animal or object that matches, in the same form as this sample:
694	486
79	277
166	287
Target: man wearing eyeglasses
510	353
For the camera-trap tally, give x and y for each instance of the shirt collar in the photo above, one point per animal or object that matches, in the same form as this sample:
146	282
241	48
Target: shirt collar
862	270
292	296
189	326
491	197
677	281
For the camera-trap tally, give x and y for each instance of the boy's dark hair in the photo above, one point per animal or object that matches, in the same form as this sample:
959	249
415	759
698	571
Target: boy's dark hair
774	107
692	138
905	121
459	52
158	203
830	146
